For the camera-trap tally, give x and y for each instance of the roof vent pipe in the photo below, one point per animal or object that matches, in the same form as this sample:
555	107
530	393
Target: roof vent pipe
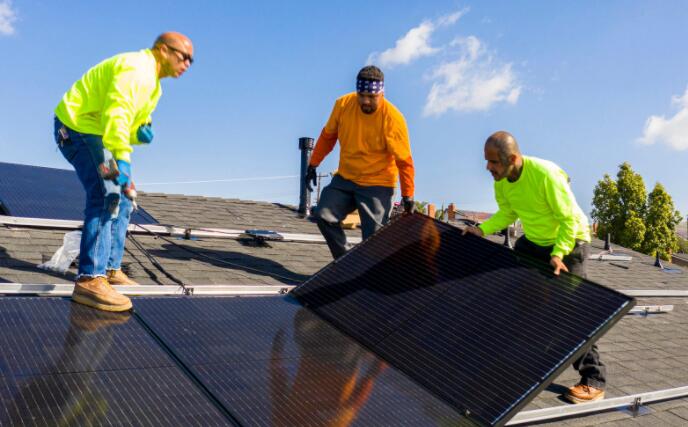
306	146
658	261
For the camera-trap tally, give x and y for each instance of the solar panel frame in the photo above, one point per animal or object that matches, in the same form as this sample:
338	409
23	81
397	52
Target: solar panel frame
403	228
48	193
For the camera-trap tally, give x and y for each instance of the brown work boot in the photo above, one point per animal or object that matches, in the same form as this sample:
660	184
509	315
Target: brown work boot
118	277
581	393
96	292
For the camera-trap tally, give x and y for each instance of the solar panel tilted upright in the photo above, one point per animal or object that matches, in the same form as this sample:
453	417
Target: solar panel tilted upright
481	327
49	193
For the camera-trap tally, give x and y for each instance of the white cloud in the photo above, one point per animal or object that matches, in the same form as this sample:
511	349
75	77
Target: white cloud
414	44
7	18
473	82
672	131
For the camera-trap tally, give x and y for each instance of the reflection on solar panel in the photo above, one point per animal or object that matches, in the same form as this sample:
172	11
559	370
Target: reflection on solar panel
66	364
481	327
271	362
39	192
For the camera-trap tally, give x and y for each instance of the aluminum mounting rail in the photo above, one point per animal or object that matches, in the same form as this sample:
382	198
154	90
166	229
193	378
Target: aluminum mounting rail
216	233
654	293
565	411
65	290
651	309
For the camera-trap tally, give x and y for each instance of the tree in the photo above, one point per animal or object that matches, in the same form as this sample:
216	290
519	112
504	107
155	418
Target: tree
606	208
635	220
661	222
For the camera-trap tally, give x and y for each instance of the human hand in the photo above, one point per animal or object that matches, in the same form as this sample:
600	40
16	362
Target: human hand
311	177
409	204
124	176
145	133
473	230
558	265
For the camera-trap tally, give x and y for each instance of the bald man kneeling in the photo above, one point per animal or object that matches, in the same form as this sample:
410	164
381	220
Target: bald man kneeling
555	230
98	120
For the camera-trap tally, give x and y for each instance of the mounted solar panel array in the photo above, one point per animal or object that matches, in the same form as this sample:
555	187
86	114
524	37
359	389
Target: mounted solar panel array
40	192
271	362
66	364
259	361
479	326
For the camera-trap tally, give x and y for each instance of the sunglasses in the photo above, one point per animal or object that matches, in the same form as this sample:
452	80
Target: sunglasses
185	56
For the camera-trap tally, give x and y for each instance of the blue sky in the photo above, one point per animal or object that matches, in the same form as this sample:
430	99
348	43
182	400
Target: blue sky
587	85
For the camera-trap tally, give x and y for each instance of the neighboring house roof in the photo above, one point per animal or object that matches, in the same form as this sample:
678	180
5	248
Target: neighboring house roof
642	353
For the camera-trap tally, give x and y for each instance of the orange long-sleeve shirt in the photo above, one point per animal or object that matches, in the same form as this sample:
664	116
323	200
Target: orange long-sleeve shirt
374	148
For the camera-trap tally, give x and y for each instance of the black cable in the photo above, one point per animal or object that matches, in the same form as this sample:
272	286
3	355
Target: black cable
157	265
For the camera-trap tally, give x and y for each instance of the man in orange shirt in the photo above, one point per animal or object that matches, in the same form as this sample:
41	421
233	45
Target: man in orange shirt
374	149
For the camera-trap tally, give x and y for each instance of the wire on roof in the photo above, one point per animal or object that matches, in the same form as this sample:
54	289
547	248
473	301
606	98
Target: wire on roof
157	265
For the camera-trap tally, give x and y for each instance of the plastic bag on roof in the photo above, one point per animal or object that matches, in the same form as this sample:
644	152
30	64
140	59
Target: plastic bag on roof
65	255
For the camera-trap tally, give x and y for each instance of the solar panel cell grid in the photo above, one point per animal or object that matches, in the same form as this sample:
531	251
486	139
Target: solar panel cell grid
470	320
40	192
280	365
66	364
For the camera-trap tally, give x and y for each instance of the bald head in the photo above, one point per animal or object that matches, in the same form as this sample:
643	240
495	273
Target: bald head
174	39
174	54
503	156
505	144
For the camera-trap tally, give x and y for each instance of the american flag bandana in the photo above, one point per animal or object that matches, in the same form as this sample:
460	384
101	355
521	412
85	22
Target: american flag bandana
369	86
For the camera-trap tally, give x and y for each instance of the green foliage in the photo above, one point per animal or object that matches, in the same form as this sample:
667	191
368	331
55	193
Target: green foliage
661	221
635	220
420	206
606	207
682	245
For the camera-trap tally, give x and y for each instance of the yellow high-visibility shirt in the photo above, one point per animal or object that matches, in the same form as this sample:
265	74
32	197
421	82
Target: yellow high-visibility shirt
542	199
113	99
374	148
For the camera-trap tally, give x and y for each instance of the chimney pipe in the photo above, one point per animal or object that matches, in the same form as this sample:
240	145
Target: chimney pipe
306	146
451	212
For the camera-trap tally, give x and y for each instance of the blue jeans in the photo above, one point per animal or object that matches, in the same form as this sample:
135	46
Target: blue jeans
107	212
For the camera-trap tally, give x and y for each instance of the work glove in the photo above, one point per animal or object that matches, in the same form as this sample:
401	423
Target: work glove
129	191
409	204
145	133
124	176
311	176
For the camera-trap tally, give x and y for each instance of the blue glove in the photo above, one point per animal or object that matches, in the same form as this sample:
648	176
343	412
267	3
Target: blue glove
124	176
145	133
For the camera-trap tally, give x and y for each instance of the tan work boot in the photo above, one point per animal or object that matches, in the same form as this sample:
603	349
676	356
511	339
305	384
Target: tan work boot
581	393
96	292
118	277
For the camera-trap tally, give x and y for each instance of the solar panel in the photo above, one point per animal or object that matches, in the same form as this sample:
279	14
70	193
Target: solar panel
478	325
40	192
271	362
66	364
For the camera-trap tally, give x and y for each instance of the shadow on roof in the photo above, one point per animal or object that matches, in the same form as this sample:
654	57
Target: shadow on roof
231	260
17	264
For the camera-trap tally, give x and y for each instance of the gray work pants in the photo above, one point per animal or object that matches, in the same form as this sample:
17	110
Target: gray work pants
340	198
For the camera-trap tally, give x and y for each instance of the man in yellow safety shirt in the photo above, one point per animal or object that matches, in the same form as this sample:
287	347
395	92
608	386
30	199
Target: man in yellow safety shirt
374	149
96	123
555	230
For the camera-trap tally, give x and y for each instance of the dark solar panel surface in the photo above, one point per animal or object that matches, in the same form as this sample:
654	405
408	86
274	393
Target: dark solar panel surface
271	362
39	192
479	326
66	364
